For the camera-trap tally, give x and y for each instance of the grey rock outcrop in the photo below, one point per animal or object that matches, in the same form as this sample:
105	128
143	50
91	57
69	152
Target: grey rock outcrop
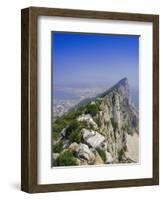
84	152
88	119
106	129
94	139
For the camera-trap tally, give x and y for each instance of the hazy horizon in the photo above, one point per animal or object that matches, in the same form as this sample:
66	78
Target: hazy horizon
95	60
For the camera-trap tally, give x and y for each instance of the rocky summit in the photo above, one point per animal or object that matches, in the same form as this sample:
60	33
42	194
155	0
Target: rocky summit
105	130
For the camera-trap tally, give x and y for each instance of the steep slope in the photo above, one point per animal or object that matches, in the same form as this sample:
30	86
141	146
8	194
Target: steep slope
105	130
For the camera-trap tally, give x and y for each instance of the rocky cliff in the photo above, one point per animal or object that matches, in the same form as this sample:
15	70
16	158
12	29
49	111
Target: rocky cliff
102	131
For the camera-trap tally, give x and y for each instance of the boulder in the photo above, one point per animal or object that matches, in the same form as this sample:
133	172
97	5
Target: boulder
94	139
84	152
109	158
74	146
55	155
87	118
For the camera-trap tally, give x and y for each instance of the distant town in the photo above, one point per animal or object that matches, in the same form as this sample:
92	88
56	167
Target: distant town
66	98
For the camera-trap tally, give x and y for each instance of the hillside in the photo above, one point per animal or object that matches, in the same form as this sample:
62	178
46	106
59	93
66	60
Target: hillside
102	130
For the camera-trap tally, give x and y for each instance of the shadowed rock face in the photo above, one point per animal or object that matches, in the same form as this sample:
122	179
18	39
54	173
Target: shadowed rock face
106	126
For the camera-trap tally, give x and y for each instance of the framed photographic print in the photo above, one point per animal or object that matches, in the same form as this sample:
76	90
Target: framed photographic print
90	100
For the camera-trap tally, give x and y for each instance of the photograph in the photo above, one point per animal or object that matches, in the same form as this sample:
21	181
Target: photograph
95	99
90	99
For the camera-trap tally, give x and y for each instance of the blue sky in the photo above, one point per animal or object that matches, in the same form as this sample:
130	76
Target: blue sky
94	59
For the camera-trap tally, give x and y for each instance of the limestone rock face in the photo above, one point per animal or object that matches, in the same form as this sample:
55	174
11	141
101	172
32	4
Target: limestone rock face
55	155
88	119
109	158
104	130
93	138
74	146
84	152
118	119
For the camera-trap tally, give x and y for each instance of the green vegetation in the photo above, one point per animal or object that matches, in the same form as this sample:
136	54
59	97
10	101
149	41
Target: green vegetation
75	137
58	126
120	155
98	103
73	132
66	159
71	115
92	109
102	154
73	127
69	120
58	147
65	120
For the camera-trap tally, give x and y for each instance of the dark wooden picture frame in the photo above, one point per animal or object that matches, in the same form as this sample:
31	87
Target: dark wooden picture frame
29	86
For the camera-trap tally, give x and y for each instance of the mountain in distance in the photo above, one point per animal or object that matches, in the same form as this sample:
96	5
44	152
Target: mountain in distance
100	130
